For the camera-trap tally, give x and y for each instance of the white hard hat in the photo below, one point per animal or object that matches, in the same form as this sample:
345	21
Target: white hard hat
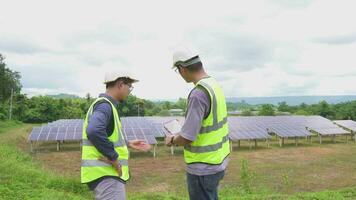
112	76
184	57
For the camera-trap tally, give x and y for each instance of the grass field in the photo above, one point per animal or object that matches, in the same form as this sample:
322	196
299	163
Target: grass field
309	171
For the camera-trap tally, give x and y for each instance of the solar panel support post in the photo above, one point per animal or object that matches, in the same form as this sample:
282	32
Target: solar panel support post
296	141
267	142
238	143
320	138
230	145
281	141
255	143
334	138
154	150
31	147
347	139
58	145
172	150
249	143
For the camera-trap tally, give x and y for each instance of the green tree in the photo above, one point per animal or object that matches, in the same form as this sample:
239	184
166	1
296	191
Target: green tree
247	112
181	103
325	110
9	80
266	110
301	112
283	107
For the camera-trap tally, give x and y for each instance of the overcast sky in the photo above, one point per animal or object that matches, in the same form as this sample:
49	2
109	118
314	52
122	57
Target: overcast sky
253	48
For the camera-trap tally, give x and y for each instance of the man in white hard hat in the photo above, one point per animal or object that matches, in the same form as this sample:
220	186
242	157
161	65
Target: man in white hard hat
105	155
204	134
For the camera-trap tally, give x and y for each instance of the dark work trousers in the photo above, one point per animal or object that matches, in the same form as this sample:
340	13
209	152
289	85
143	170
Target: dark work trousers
204	187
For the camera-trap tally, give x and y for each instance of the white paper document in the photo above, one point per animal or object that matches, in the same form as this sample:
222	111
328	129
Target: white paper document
173	126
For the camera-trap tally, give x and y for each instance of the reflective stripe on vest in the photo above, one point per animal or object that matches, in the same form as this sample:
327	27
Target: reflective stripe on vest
208	148
99	163
120	143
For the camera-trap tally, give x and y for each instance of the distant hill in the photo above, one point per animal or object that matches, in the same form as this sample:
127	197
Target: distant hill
64	96
292	100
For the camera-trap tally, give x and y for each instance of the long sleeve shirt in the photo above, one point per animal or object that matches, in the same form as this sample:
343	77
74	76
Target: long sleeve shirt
100	128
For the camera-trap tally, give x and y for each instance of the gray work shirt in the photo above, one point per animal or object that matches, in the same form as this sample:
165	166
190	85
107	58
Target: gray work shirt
198	110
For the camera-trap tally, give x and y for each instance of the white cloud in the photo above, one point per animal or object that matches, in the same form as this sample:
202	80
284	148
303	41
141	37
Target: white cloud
254	48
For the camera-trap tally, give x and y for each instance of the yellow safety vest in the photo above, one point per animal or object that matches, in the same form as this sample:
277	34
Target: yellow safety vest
212	143
92	168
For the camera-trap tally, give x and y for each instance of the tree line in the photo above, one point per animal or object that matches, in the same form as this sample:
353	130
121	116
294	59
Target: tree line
41	109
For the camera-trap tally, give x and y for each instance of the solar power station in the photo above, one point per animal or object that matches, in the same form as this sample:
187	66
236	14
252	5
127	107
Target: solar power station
283	127
68	130
251	129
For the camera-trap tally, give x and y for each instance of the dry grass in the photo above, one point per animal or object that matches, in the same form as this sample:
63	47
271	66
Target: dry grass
290	169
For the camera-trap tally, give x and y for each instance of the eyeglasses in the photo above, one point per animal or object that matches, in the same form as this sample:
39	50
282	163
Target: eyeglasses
177	70
130	87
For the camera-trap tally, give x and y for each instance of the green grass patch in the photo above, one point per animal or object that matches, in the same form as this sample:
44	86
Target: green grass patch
9	124
22	176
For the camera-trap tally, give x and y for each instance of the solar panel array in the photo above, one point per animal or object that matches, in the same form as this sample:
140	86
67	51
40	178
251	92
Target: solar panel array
56	133
324	126
246	128
71	130
138	128
240	128
348	124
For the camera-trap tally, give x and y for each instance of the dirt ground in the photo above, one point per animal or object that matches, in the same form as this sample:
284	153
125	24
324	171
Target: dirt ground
288	169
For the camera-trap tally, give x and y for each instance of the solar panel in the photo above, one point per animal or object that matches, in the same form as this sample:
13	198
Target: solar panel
330	131
52	134
246	128
35	133
348	124
289	130
62	130
131	133
43	134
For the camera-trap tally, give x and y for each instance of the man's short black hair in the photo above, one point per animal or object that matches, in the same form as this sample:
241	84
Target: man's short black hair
113	83
195	67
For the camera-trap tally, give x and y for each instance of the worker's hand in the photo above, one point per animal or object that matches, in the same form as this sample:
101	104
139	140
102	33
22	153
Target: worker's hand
139	145
169	140
116	164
